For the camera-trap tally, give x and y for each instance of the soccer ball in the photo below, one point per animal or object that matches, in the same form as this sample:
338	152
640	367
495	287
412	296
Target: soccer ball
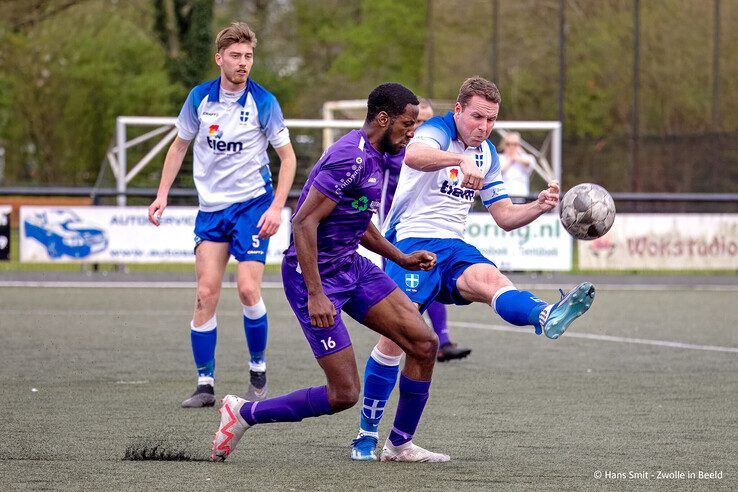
587	211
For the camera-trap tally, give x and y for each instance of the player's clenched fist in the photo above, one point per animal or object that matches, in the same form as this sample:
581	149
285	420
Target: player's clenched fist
418	260
473	177
549	197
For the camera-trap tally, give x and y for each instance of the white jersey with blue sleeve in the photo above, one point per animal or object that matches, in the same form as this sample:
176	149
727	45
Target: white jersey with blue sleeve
433	204
231	133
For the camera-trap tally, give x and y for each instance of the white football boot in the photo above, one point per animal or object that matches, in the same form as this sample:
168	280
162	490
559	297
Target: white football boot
232	427
410	453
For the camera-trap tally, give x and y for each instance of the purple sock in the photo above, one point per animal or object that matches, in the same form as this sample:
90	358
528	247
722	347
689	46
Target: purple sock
437	314
292	407
413	395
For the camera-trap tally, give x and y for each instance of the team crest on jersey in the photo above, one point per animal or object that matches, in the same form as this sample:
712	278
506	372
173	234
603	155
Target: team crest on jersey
479	160
244	116
412	280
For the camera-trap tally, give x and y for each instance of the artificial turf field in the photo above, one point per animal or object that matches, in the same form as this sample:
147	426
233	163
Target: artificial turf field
111	365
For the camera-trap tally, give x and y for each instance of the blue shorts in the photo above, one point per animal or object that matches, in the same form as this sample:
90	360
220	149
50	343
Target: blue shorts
439	284
354	289
236	225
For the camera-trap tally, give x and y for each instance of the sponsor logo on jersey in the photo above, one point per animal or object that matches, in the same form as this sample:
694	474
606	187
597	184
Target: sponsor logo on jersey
215	134
361	203
451	190
454	177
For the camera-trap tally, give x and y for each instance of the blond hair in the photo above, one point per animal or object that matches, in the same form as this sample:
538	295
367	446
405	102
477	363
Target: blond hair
238	32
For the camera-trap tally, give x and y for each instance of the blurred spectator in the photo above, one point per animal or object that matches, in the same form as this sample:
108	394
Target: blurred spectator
516	165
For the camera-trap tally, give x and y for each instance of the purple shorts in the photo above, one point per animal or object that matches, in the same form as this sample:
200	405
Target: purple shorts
354	288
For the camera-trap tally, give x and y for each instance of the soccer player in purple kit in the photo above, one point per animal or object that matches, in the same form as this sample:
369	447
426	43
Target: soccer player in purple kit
323	274
447	350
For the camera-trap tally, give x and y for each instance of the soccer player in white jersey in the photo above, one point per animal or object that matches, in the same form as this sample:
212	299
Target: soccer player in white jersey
231	120
447	163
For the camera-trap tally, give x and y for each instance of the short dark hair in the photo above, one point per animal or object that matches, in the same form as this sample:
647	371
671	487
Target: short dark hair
392	98
478	86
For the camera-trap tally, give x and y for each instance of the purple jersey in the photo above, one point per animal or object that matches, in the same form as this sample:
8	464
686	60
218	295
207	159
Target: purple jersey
393	164
350	174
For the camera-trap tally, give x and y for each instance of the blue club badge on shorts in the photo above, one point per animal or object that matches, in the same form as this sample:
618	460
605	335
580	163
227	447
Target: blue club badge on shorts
412	280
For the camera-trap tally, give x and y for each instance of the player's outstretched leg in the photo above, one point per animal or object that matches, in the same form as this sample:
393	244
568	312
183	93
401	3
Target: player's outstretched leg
484	283
398	319
380	376
340	393
523	308
557	317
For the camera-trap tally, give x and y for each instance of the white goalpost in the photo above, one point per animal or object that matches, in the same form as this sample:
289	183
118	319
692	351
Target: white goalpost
337	115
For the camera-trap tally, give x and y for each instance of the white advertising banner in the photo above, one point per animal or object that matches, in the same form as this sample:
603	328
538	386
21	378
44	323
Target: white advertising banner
543	245
118	234
665	242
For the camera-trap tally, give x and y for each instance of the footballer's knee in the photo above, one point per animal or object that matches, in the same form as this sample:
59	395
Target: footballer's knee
249	294
424	348
207	297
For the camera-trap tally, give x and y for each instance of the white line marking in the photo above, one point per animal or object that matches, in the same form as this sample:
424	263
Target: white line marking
108	284
605	338
53	284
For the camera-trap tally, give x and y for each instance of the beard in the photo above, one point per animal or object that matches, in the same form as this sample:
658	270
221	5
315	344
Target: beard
235	78
386	145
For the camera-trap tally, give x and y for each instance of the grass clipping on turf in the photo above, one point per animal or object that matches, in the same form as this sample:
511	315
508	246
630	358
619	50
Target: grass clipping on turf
160	450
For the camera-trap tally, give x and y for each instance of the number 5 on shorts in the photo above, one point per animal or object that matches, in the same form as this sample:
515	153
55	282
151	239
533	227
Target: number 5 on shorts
328	344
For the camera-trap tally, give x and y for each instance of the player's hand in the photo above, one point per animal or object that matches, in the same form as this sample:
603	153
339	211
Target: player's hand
549	198
418	260
472	174
156	209
269	222
321	310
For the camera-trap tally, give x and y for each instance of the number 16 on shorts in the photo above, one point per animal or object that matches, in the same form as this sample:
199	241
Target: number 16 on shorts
328	343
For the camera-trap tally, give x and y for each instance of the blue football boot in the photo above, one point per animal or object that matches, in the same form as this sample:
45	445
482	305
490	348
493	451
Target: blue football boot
556	318
362	448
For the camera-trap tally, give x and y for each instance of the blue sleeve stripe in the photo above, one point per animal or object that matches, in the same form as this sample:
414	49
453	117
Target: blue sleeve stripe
487	203
490	185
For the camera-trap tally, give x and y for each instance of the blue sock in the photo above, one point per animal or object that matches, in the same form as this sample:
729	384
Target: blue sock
380	376
255	326
413	395
203	340
519	307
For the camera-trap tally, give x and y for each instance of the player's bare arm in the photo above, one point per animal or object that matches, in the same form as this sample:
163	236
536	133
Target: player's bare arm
272	218
425	158
510	216
305	230
417	260
172	164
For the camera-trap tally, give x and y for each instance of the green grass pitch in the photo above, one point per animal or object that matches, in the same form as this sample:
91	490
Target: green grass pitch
110	367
